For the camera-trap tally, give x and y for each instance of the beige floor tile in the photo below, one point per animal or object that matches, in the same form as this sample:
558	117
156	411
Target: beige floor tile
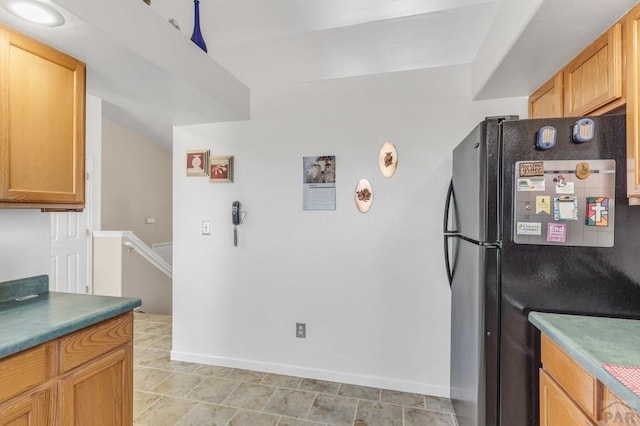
152	317
145	340
213	370
145	379
416	417
207	415
288	421
372	413
162	343
142	400
335	410
158	328
291	403
152	358
166	411
320	386
252	418
183	367
250	396
141	326
213	390
438	404
360	392
245	375
402	398
178	384
281	381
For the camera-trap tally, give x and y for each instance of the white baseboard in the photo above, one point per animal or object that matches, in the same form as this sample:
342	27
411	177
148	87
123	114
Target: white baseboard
312	373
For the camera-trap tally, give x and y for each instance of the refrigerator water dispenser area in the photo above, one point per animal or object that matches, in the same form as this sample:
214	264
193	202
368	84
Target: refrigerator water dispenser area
565	202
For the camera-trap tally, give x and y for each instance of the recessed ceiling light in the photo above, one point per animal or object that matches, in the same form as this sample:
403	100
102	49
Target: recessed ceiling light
34	11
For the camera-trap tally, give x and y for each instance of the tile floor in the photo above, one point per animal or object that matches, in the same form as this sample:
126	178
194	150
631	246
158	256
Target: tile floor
179	393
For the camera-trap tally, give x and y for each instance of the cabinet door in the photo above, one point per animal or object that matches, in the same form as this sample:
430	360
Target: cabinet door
593	79
547	101
616	412
42	93
26	410
99	393
556	408
632	43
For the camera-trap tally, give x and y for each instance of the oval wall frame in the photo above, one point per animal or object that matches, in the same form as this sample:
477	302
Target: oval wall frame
388	159
363	196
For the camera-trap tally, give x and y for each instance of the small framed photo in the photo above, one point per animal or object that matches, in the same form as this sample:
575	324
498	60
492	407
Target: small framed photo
197	162
221	168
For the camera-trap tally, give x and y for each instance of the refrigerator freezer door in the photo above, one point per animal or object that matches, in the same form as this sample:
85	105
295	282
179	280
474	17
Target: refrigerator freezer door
469	185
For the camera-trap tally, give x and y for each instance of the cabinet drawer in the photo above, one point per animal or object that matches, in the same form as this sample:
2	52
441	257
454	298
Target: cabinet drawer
576	381
556	407
22	371
90	343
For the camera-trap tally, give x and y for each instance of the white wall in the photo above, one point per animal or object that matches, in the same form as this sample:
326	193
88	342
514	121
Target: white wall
136	184
24	244
371	288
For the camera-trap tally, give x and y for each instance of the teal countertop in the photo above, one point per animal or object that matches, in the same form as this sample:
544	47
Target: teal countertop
34	320
593	341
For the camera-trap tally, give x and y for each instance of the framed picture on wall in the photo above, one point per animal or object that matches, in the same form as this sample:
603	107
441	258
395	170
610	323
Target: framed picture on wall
197	162
221	168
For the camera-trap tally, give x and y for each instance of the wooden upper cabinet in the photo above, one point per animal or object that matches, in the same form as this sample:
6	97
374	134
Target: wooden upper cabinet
593	79
632	43
42	106
547	101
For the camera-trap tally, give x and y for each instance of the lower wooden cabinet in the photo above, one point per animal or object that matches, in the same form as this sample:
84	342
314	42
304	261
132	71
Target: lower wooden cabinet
615	412
556	407
94	394
27	410
570	396
84	378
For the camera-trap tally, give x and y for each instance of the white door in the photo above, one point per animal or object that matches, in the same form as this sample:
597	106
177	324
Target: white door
71	246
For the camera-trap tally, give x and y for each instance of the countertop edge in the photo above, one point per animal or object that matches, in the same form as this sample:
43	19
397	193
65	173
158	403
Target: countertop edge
583	358
72	325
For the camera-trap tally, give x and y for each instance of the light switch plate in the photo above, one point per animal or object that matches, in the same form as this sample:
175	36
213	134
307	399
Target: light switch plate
206	227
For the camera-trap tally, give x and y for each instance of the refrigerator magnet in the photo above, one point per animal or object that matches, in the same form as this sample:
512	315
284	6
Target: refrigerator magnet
529	228
565	207
543	204
583	170
531	184
557	232
597	211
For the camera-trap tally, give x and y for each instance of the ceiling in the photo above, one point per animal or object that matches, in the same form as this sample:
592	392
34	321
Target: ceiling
274	42
152	77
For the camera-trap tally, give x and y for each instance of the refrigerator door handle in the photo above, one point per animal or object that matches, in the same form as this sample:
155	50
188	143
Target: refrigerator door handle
447	210
448	233
447	263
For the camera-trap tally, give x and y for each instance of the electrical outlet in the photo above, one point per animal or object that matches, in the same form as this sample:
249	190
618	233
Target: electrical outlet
206	227
301	330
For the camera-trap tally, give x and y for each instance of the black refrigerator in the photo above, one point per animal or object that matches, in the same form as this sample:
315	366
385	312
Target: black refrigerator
536	219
